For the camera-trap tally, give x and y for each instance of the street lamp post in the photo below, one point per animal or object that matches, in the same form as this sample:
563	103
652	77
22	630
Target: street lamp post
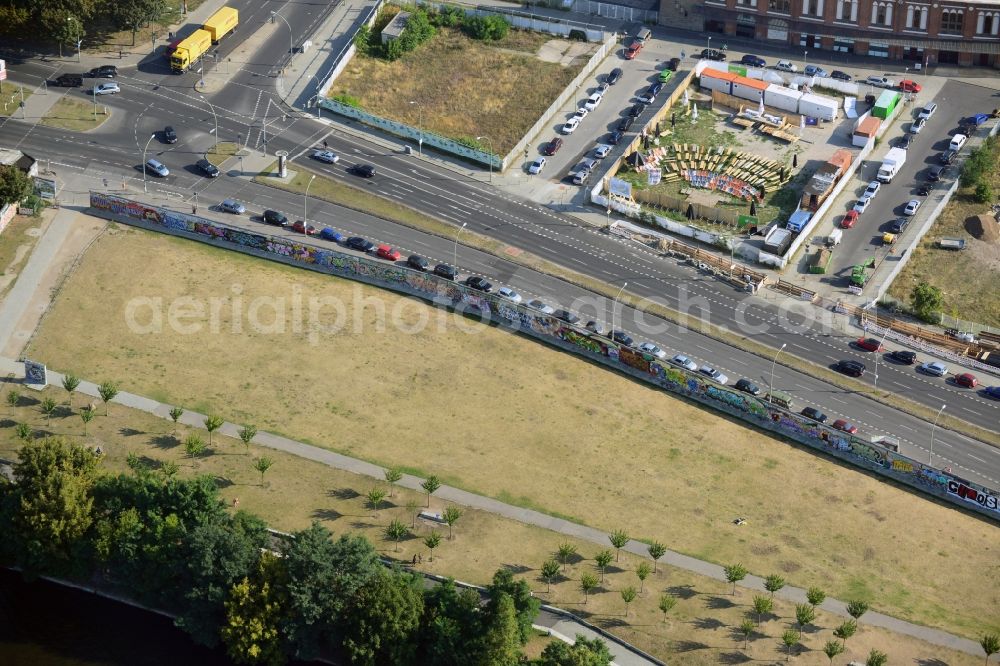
214	116
614	304
492	152
774	361
144	162
877	352
291	43
420	122
305	204
805	57
454	256
930	456
709	43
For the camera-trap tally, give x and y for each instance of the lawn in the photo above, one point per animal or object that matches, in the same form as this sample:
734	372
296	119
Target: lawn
107	39
10	98
463	88
221	152
16	243
75	115
506	417
296	491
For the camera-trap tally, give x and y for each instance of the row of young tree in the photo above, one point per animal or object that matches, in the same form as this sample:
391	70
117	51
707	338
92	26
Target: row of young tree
169	543
64	22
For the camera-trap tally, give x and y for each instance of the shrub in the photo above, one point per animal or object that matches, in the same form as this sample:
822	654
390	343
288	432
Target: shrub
487	28
926	300
578	35
984	193
449	16
344	98
363	40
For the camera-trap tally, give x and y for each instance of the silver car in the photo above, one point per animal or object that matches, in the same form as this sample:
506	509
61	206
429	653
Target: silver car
110	88
157	168
232	206
684	362
326	156
539	305
714	374
934	368
509	294
650	348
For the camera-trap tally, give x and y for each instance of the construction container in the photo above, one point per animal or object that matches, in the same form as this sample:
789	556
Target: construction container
780	97
818	106
713	79
886	104
747	88
866	131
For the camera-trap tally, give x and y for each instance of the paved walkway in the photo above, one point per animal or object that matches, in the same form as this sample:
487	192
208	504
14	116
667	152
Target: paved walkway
526	516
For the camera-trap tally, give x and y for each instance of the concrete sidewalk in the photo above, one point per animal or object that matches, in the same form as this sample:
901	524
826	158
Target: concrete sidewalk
527	516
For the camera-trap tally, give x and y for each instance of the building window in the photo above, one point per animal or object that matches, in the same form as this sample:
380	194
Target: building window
952	20
783	6
878	49
989	23
747	3
843	45
812	7
882	13
916	17
847	10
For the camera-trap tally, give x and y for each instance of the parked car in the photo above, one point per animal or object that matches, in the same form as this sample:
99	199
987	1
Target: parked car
479	284
899	225
594	327
541	306
603	87
363	170
852	368
814	414
992	392
880	81
753	61
923	190
359	244
157	168
570	125
417	263
537	165
709	371
665	75
331	234
647	97
633	50
553	146
592	102
862	205
622	338
388	253
957	142
207	168
581	176
937	173
905	141
947	157
713	54
850	219
601	151
303	228
614	76
869	344
275	217
917	125
903	356
934	368
967	380
169	135
841	76
786	66
106	89
232	206
580	114
747	386
845	426
653	350
815	70
625	123
673	64
872	189
445	271
908	86
655	88
912	206
509	294
327	156
929	110
68	81
615	137
684	362
566	316
104	72
637	109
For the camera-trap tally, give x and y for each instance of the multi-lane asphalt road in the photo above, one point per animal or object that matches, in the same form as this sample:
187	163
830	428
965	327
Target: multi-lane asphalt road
151	99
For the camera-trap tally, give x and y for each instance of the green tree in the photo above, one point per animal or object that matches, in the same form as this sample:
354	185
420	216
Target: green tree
383	621
432	541
815	596
566	551
413	508
832	649
87	415
262	464
525	605
135	463
247	433
107	391
175	414
762	606
13	399
990	644
804	614
667	603
876	658
48	406
194	446
735	573
131	15
846	630
65	28
212	423
628	596
23	432
430	486
983	193
588	582
451	515
70	382
254	608
619	539
926	299
746	628
501	645
550	569
169	469
642	573
773	583
487	28
375	497
603	559
583	652
393	475
790	638
15	185
396	530
857	608
656	551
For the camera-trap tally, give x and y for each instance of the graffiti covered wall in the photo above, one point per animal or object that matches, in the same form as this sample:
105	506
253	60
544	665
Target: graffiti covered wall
578	340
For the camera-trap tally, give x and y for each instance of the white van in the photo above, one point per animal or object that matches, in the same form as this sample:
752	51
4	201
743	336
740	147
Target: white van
644	34
957	142
786	66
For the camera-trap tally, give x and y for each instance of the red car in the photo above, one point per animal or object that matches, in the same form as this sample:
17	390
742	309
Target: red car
869	344
301	227
386	252
967	379
909	86
849	220
845	425
633	50
553	146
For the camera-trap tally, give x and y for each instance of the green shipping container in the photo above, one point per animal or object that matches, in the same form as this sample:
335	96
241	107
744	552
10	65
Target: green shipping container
885	104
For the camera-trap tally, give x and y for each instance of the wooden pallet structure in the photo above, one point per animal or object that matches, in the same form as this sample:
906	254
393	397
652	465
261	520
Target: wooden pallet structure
740	174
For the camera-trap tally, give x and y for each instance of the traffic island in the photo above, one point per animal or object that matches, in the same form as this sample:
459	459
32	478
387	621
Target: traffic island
76	116
221	152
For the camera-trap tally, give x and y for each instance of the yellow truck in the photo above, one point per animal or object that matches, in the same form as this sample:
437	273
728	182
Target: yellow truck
190	50
221	23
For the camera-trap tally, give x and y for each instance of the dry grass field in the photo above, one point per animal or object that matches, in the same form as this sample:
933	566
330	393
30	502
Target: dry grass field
506	417
701	629
463	88
75	115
